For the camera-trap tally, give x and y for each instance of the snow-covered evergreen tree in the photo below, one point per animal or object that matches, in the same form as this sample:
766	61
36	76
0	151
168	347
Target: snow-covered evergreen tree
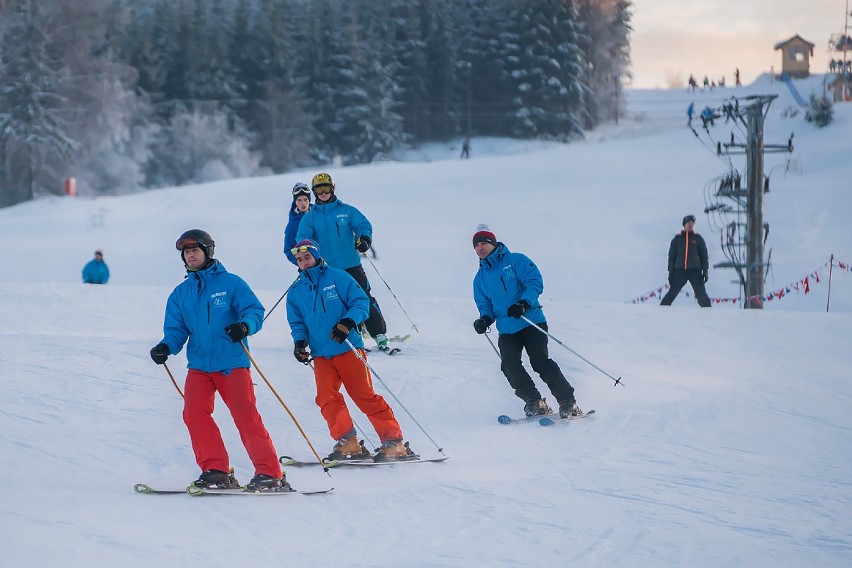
606	43
545	65
35	135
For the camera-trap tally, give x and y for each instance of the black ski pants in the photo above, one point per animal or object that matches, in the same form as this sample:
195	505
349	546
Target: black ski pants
375	322
679	280
535	343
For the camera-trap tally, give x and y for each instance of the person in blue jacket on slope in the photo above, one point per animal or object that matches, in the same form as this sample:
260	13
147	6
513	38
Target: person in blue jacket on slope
96	270
213	312
343	232
301	205
506	287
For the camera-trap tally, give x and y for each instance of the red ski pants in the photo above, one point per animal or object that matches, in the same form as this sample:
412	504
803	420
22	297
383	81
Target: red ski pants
237	392
347	370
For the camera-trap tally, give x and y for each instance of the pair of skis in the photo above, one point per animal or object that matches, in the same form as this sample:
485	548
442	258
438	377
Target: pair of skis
201	491
547	420
287	461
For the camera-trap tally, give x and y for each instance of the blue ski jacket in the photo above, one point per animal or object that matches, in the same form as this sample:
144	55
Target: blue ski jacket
199	309
291	229
321	297
505	278
95	272
335	226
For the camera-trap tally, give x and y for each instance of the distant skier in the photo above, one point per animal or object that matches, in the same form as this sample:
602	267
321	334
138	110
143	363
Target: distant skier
465	151
688	263
96	270
737	77
506	287
215	311
324	309
690	113
707	116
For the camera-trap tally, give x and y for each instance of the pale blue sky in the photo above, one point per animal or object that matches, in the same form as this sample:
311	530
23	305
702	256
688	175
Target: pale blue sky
673	38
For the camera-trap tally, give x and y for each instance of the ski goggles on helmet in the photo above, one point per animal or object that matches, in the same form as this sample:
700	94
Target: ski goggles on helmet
323	189
304	248
188	243
302	190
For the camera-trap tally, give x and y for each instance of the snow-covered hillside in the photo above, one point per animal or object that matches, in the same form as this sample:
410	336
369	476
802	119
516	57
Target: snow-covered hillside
729	444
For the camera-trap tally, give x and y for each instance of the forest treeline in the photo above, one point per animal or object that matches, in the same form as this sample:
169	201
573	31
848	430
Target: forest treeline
130	94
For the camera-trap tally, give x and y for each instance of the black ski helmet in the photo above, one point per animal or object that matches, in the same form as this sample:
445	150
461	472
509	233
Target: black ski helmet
196	238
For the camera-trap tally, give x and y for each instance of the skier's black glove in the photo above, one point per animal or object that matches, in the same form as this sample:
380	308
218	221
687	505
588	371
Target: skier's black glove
237	331
706	276
517	310
159	353
341	330
363	244
300	352
481	325
671	277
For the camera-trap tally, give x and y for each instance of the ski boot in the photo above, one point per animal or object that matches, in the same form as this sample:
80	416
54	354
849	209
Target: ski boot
348	448
382	342
537	407
216	479
394	450
569	410
262	482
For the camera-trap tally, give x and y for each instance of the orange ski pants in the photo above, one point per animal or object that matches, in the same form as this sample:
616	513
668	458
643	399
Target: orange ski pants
347	370
237	392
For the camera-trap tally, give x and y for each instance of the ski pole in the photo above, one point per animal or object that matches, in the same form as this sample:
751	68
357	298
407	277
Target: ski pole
492	345
414	325
375	374
281	298
296	422
174	382
357	426
617	381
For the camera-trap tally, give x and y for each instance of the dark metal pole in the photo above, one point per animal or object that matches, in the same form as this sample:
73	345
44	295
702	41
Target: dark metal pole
754	243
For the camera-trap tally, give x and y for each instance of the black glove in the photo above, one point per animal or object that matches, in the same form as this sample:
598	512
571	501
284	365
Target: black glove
363	244
159	353
341	330
301	353
706	276
481	325
517	310
671	277
237	331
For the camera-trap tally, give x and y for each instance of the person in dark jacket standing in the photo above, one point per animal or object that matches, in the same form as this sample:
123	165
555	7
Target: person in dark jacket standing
688	263
96	270
301	205
215	311
506	287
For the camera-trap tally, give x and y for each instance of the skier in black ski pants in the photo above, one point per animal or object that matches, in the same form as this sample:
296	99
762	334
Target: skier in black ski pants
506	288
688	263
